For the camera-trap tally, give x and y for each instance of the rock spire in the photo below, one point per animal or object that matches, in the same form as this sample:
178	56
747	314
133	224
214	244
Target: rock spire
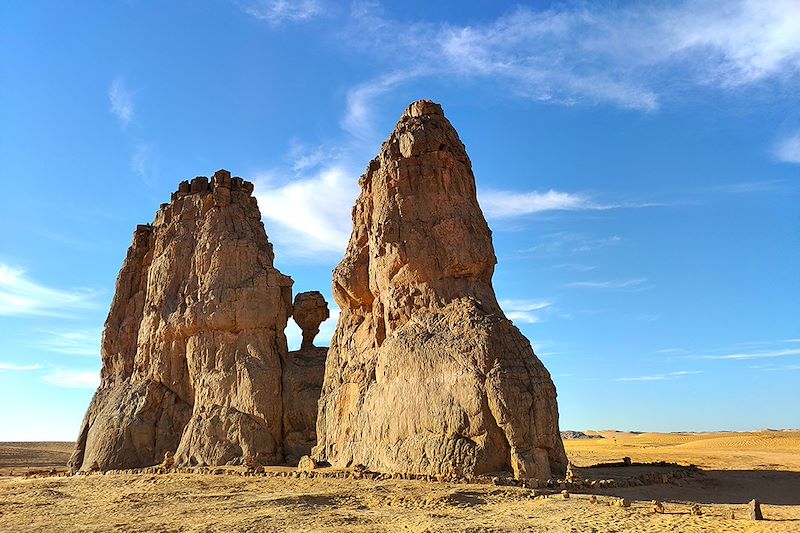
425	374
194	343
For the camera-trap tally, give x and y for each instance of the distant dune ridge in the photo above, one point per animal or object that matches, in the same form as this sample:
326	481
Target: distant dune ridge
579	435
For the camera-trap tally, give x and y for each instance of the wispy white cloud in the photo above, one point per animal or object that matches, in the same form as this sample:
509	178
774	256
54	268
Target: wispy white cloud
774	368
359	117
658	377
663	377
760	354
304	158
573	243
309	215
749	187
524	311
73	379
627	55
76	342
503	204
575	267
21	296
593	244
141	158
733	43
608	284
9	367
121	100
788	150
277	12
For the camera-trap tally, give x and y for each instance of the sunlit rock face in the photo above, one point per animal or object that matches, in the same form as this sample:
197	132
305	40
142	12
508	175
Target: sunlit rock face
425	374
194	342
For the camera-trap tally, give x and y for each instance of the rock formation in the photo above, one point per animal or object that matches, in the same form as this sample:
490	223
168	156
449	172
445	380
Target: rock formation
425	374
302	374
194	343
309	311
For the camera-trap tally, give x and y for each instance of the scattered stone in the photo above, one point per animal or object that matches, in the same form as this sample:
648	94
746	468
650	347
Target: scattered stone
565	494
622	502
626	461
695	510
306	464
573	476
658	507
250	462
169	460
418	313
593	499
755	510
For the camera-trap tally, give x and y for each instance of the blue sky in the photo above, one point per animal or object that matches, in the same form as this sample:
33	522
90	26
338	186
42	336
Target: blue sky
639	164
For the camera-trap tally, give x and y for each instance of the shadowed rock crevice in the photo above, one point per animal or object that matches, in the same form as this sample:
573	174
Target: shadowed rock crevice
425	374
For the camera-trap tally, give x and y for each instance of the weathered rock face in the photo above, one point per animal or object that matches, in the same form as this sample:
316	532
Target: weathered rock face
425	374
193	344
303	371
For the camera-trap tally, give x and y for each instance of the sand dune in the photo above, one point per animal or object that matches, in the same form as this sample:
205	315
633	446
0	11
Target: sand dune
773	450
23	456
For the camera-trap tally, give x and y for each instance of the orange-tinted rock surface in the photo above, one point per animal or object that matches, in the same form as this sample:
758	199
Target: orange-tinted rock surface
194	342
425	374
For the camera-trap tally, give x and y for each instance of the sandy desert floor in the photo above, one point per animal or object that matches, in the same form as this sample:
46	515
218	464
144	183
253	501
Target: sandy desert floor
737	467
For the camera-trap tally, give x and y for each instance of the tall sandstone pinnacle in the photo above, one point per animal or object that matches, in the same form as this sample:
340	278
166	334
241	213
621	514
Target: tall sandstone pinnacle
425	374
194	342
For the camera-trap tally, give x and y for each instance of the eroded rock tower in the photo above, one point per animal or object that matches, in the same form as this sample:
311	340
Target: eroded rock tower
194	348
425	374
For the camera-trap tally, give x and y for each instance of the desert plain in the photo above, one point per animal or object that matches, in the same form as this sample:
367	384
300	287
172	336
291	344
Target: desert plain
733	469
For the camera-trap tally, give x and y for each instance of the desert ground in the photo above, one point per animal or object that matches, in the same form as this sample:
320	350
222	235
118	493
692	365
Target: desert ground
735	467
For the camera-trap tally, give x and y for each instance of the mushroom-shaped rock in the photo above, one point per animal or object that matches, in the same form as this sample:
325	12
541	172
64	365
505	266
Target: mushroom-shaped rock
309	311
303	371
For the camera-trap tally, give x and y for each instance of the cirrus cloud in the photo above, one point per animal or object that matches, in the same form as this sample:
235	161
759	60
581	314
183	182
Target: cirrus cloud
22	296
